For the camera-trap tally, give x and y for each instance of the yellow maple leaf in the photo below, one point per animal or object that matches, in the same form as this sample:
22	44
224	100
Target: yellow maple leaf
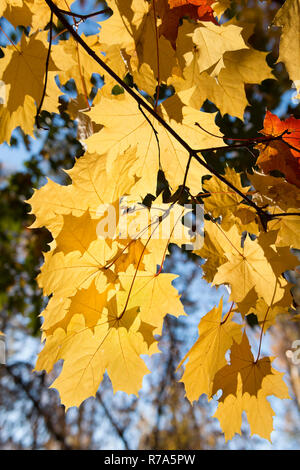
280	257
115	344
212	41
246	383
133	129
52	201
216	242
80	65
26	59
207	355
225	203
128	15
227	92
132	27
54	313
94	178
77	233
16	12
87	302
64	274
155	295
93	188
248	267
288	229
33	13
275	192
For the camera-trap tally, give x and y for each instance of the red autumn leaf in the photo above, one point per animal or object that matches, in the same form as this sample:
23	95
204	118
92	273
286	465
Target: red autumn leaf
204	7
282	154
172	11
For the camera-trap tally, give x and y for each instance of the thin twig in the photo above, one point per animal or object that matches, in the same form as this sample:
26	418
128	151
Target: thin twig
113	422
46	75
85	17
155	133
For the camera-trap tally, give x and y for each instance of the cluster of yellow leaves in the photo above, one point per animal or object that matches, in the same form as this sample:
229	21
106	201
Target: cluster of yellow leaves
106	293
210	61
103	272
252	268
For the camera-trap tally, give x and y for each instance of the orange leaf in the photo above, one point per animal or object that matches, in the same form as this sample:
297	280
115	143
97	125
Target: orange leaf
172	12
283	154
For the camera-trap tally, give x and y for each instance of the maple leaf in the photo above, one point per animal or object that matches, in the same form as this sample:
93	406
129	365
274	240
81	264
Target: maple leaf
248	267
288	18
274	191
171	13
207	355
77	233
115	345
288	229
64	274
92	188
211	42
52	201
246	383
282	154
34	13
54	313
235	69
60	310
134	129
98	335
155	295
128	15
132	27
226	203
16	12
80	65
26	59
216	242
280	257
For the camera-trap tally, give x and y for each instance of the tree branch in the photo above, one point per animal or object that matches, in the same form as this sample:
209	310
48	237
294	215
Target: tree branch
85	17
113	422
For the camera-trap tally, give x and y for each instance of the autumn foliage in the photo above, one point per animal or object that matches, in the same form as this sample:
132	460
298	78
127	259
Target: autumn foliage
108	291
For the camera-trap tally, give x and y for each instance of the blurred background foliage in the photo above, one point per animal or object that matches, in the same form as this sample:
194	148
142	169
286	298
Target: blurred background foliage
31	416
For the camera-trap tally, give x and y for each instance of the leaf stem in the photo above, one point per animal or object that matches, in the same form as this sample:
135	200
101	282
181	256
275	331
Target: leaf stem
228	314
